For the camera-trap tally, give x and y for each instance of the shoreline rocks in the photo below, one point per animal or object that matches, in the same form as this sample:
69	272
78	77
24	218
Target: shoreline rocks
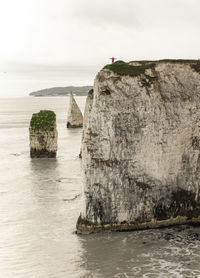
43	134
141	147
75	117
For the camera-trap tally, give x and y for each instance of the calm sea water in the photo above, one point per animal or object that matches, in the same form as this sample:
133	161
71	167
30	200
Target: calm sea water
40	200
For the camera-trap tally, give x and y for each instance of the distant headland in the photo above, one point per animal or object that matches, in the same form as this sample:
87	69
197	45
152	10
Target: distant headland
62	91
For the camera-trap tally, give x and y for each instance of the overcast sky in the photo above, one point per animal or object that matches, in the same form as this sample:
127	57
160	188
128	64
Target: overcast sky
47	43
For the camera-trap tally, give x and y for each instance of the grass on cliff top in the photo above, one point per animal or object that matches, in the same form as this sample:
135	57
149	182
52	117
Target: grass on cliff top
122	68
44	120
126	69
179	60
195	64
168	61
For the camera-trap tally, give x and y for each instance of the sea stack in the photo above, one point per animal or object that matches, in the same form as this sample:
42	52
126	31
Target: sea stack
88	105
43	134
75	117
141	147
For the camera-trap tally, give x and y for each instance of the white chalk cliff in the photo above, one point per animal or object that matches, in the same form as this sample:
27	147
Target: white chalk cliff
141	147
43	134
75	117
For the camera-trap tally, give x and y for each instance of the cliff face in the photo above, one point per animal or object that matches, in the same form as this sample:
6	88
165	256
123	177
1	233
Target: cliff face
43	134
141	147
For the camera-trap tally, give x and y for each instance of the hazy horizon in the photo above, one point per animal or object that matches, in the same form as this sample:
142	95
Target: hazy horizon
21	81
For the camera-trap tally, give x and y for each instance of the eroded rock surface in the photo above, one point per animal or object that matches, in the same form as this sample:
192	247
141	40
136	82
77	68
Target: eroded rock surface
43	134
141	147
75	117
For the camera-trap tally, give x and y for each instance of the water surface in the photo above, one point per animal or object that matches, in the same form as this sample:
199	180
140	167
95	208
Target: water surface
40	200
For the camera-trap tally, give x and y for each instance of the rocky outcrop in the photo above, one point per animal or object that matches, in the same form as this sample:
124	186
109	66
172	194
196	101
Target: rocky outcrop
43	134
75	117
141	147
88	106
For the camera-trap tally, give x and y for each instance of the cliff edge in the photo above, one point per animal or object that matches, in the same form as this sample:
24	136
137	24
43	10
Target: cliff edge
141	146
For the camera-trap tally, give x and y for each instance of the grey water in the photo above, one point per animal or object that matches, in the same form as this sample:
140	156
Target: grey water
40	201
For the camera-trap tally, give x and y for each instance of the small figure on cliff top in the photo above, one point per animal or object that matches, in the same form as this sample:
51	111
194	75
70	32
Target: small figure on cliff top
113	59
75	117
43	134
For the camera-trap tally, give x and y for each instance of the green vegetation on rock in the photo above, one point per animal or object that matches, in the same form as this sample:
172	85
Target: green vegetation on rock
44	120
142	62
196	66
178	60
90	93
126	69
105	92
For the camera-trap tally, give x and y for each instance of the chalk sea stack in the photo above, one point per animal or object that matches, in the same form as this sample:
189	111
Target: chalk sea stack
75	117
141	147
43	134
88	104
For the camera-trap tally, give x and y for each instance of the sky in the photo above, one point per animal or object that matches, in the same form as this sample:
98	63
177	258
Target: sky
48	43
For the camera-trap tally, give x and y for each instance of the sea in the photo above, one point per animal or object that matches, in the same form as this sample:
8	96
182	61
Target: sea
41	199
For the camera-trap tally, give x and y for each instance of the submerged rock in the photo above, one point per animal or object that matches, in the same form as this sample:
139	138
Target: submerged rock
75	117
43	134
141	147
